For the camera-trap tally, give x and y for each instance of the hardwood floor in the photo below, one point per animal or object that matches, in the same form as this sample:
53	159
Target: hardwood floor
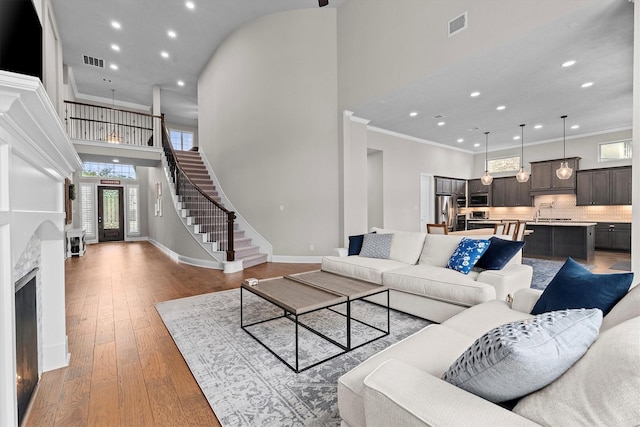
125	369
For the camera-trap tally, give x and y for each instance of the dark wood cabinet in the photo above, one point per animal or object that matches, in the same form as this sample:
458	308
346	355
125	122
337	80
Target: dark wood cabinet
459	187
621	186
560	241
450	186
611	186
443	186
613	236
593	187
544	180
509	192
476	186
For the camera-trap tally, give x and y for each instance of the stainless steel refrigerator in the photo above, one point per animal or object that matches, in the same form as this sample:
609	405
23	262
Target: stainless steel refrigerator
446	211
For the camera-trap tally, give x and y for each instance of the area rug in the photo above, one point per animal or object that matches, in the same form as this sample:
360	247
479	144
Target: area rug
621	265
544	270
248	386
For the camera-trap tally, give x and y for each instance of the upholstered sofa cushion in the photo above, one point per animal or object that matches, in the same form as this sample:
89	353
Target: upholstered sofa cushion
602	388
576	287
439	283
406	246
438	249
520	357
628	307
367	269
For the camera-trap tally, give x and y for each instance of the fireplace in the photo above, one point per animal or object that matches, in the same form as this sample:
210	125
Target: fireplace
26	340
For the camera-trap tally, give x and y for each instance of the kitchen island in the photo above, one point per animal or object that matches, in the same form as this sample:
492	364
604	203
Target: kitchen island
561	239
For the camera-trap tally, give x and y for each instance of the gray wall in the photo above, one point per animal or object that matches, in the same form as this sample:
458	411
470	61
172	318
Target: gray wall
268	126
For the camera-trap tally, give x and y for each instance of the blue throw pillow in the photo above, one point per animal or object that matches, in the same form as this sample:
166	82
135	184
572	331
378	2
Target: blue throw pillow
576	287
467	254
499	253
355	244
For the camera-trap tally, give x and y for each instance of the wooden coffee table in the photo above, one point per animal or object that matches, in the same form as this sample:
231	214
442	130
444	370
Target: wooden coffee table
304	293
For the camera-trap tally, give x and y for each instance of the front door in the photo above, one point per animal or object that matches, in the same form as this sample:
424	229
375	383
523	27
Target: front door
110	214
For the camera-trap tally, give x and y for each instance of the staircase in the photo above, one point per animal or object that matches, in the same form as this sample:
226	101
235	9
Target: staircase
193	166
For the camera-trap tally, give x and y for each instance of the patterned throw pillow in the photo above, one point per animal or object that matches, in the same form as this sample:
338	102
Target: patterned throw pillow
376	246
521	357
467	254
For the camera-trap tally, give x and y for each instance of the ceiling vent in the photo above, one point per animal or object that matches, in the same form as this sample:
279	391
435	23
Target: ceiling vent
90	60
438	116
458	24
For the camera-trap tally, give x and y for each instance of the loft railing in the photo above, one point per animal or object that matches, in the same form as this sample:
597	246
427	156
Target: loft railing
210	216
110	125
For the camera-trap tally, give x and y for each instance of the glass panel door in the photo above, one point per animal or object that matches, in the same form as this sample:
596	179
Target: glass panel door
110	214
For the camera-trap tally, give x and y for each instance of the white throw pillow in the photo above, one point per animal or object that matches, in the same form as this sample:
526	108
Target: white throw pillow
602	388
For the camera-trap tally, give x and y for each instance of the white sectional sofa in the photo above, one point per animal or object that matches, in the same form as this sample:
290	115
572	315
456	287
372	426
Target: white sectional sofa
402	385
419	282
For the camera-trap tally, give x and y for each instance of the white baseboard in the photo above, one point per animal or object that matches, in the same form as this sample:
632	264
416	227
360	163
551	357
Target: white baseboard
185	259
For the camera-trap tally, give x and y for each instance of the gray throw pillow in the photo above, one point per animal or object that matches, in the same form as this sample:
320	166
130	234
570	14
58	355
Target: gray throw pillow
376	246
518	358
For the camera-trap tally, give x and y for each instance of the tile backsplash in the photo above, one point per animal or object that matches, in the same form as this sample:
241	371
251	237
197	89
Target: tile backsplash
564	206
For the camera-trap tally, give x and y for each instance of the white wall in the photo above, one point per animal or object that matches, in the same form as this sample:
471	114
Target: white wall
404	159
268	126
585	147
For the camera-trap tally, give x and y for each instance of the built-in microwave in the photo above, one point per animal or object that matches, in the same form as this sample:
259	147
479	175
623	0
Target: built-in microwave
479	199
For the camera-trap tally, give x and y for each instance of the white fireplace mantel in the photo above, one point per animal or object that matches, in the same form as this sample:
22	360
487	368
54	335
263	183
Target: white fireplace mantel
35	157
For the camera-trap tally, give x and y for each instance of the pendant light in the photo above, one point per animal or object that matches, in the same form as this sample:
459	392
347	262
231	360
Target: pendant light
486	179
564	171
113	136
523	175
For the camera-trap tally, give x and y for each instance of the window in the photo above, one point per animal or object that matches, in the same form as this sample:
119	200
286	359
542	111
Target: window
618	150
133	216
181	140
108	170
87	209
505	164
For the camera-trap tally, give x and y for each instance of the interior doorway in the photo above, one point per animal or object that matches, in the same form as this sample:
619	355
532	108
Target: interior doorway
110	214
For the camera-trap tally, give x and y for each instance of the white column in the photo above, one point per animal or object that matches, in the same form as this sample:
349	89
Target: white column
635	215
54	333
8	398
156	111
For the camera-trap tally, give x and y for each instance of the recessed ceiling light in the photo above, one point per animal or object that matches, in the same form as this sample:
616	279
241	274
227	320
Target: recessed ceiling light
587	84
413	113
474	94
441	123
500	107
116	161
569	63
113	66
116	25
537	127
575	126
172	34
516	137
180	83
164	54
190	5
477	144
115	47
460	140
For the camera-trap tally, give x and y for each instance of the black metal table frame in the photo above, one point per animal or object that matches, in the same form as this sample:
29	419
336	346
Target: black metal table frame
296	319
